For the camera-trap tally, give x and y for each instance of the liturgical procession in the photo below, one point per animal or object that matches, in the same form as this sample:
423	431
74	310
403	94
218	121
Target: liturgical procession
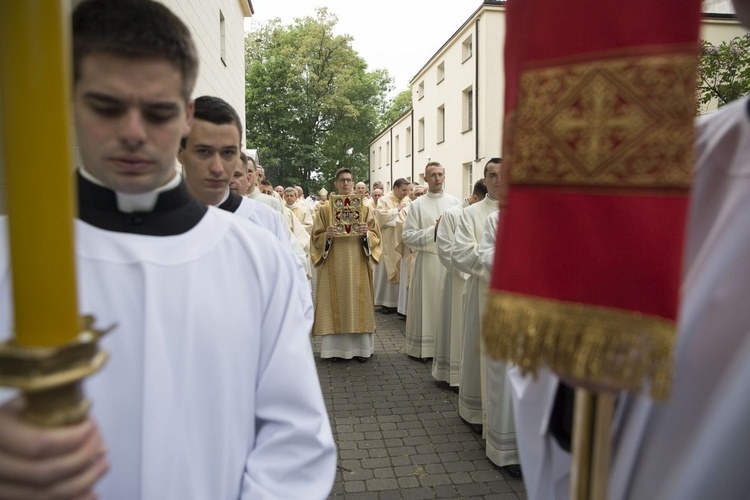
492	249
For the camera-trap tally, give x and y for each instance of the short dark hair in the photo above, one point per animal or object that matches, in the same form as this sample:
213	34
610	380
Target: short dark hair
497	160
400	182
340	171
266	182
480	189
433	164
134	29
217	111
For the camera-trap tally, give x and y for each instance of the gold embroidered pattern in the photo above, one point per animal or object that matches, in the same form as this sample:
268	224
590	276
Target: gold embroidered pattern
581	341
619	122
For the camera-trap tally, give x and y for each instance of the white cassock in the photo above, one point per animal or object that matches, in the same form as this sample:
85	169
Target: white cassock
465	258
407	264
424	293
697	444
500	428
446	364
271	201
196	402
302	237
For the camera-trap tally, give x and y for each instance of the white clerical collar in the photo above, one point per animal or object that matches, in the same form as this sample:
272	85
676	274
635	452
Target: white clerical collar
491	201
224	198
135	202
435	195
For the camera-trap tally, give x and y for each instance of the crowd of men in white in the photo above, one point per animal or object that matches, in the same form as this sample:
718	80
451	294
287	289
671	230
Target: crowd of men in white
437	253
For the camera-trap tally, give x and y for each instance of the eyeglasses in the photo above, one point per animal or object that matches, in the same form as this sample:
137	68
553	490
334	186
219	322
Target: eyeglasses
346	180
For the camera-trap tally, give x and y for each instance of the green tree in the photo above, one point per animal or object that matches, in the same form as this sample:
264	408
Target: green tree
396	107
312	106
724	71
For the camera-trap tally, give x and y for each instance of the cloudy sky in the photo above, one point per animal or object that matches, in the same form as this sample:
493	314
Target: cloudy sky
397	35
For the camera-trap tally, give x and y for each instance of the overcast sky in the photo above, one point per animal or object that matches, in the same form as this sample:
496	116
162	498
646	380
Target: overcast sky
397	35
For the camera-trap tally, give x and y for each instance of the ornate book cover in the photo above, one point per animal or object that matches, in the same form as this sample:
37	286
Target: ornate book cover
346	213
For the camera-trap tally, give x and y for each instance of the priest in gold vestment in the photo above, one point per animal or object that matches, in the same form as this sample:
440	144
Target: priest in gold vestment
344	307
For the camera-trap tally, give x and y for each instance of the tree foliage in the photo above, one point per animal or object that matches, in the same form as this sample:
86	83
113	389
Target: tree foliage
396	107
724	71
312	106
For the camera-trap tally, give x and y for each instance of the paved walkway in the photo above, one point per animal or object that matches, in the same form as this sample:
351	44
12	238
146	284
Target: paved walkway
398	431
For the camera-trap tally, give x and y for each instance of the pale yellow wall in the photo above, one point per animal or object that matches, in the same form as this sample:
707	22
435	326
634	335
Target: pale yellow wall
385	164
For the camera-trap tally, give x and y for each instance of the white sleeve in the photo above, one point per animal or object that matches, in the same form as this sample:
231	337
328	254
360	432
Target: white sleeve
464	254
417	238
294	455
487	245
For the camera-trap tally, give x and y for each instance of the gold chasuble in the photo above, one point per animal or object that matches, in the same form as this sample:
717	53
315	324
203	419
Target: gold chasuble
344	296
599	109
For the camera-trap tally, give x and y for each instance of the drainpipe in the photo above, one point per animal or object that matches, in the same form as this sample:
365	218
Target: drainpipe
476	91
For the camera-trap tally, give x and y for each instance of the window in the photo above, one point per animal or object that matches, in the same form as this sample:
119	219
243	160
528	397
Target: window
468	178
441	72
396	147
468	110
420	90
372	162
380	156
408	141
468	48
420	135
387	153
223	38
440	123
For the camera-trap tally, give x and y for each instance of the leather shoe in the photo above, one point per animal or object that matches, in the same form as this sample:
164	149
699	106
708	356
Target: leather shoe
514	471
362	359
387	310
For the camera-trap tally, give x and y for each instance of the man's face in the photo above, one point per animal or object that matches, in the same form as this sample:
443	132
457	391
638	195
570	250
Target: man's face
261	173
360	188
300	192
209	158
376	194
266	190
495	182
129	118
290	197
239	182
344	183
419	191
435	176
280	190
323	197
400	191
410	192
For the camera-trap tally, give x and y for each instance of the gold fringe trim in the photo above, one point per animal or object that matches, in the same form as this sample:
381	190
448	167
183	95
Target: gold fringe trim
584	342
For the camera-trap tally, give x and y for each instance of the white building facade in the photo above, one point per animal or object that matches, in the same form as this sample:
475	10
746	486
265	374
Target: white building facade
458	104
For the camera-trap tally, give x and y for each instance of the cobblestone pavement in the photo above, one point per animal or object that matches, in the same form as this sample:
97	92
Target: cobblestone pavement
398	431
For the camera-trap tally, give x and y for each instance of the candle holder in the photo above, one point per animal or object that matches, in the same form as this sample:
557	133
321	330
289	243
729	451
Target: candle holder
50	377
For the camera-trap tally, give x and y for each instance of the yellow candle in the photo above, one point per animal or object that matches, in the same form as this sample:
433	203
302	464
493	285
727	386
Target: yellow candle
35	81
